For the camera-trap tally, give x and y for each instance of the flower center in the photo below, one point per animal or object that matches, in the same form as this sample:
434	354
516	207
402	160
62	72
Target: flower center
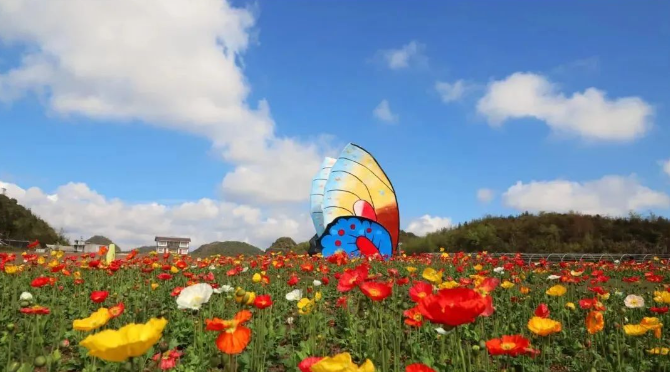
375	292
508	345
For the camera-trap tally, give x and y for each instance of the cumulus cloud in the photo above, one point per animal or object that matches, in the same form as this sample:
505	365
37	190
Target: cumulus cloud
426	224
405	56
666	167
81	211
383	112
172	64
610	195
485	195
450	92
589	114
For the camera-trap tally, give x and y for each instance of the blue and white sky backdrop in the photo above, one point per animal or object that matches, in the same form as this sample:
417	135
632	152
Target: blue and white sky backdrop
208	118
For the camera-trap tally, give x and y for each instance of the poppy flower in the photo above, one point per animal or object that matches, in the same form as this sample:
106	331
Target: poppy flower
116	310
453	307
543	326
420	290
341	363
132	340
164	276
307	363
557	290
263	301
595	322
94	321
37	310
293	280
418	367
176	291
662	297
194	296
40	281
633	301
542	311
342	302
234	336
99	296
659	310
509	345
168	359
350	279
432	275
375	291
413	317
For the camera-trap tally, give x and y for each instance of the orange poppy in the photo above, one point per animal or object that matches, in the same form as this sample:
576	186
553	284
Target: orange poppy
595	322
509	345
454	306
234	337
116	310
413	317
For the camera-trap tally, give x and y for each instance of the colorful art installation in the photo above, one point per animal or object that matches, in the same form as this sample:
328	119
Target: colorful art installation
354	206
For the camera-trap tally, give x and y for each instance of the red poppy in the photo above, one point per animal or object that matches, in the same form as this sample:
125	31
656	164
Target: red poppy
168	359
307	267
375	291
418	367
542	311
102	251
591	303
350	279
131	255
293	280
263	301
234	337
33	244
453	306
99	296
41	281
117	310
509	345
37	310
599	290
659	310
181	265
338	258
342	302
164	276
325	280
413	317
307	363
402	281
632	279
420	290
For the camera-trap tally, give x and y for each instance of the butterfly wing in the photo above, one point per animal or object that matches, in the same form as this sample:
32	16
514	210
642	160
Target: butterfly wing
316	196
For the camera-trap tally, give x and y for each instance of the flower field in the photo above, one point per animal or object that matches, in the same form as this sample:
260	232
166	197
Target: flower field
287	312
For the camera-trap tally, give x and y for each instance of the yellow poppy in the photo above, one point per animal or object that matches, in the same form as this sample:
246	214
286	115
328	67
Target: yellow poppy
652	324
557	290
174	269
569	306
341	363
659	351
663	297
410	269
11	269
524	290
154	286
432	275
634	329
256	278
94	321
478	267
449	285
132	340
543	326
507	284
318	296
305	306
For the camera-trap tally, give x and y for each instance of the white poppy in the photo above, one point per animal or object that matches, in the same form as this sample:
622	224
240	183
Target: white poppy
633	301
289	320
553	277
441	331
26	296
192	297
294	295
499	270
244	270
224	289
316	283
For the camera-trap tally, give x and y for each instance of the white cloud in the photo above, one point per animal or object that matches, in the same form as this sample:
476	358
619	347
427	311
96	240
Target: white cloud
589	114
666	167
383	112
485	195
405	56
170	63
610	195
450	92
83	212
427	224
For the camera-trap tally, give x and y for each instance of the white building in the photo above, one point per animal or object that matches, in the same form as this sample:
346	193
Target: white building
172	244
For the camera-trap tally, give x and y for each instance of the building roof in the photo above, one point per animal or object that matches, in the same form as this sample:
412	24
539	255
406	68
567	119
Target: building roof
171	239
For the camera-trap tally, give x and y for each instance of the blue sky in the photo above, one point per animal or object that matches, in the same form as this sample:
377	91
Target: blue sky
323	67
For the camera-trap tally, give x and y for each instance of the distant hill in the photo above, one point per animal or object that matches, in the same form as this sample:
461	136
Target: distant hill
146	249
20	223
551	232
102	240
230	248
283	244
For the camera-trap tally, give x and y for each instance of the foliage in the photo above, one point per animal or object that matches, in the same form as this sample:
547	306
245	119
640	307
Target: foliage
283	244
20	223
552	232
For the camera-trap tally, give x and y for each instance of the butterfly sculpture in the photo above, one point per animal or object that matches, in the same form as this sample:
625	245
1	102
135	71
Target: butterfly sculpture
354	207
